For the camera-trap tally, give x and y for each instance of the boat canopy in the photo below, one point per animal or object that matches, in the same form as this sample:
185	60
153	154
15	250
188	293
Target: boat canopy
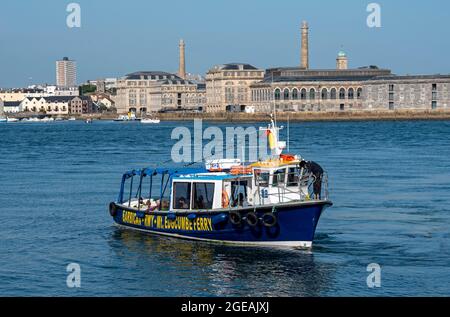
166	175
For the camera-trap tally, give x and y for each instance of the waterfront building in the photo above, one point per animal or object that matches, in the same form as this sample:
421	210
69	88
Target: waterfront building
345	89
136	92
10	107
57	105
66	73
228	86
81	105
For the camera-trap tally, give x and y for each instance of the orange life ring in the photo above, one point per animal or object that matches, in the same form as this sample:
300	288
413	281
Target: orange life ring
225	199
287	157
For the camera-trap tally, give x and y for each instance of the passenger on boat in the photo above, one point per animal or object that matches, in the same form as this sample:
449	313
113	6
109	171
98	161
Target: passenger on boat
155	206
317	171
241	201
182	204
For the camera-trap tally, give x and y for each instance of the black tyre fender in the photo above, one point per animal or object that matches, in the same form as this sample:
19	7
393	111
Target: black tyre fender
252	219
269	220
235	218
112	209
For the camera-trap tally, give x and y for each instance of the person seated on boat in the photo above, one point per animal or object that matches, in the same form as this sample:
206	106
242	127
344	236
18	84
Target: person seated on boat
316	170
240	201
165	205
152	206
182	204
200	203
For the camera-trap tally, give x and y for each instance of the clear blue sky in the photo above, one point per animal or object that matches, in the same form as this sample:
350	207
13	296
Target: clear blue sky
119	37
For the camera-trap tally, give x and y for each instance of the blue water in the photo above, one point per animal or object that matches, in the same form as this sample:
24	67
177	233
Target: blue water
390	183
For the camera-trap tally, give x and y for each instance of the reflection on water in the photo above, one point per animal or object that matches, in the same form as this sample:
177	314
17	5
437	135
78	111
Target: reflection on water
221	270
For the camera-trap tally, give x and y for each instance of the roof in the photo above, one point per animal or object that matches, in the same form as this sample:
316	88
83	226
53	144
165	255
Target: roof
412	77
151	75
177	81
11	103
234	66
60	98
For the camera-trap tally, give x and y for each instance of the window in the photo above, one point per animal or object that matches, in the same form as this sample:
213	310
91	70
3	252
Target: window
391	88
333	94
293	176
277	94
303	94
312	94
324	94
434	105
391	105
279	178
342	94
262	178
294	94
182	196
359	93
203	195
286	94
351	94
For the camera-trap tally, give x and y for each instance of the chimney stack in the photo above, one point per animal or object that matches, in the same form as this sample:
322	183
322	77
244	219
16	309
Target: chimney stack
305	46
182	65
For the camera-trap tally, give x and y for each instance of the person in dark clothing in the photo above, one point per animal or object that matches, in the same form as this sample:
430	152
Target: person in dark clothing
316	170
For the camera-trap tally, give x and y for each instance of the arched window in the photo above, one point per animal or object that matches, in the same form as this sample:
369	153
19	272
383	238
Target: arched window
342	93
295	94
351	93
312	94
324	94
359	93
303	94
277	94
286	94
333	93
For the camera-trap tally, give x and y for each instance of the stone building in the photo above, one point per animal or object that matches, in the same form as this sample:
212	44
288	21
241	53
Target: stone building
228	86
152	91
297	89
427	92
343	89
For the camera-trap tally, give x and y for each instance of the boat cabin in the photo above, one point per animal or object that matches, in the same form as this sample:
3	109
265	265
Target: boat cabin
262	183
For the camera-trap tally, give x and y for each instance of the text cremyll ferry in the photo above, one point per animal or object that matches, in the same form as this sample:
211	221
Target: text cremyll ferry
275	202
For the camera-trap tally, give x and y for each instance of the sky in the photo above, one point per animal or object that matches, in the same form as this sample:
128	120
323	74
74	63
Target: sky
118	37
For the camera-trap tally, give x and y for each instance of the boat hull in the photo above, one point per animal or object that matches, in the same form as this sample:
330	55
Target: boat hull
295	225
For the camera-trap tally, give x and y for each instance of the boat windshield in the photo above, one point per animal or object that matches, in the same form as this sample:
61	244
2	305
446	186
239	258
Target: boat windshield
182	195
203	196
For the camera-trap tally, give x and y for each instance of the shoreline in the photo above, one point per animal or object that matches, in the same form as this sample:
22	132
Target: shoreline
397	115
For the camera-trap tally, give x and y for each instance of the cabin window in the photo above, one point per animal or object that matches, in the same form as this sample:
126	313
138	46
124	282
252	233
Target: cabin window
239	194
279	177
182	196
203	195
293	176
262	178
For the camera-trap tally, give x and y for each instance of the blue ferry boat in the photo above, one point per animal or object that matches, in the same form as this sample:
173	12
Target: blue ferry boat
272	203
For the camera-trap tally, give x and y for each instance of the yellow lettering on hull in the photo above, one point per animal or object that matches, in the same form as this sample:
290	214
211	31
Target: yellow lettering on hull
180	223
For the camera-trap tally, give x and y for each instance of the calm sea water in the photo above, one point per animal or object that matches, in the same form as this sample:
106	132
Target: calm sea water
390	182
